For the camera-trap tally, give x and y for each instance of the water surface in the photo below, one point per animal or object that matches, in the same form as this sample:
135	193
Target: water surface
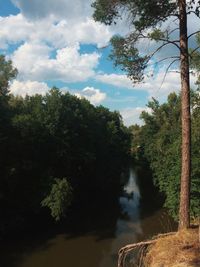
91	241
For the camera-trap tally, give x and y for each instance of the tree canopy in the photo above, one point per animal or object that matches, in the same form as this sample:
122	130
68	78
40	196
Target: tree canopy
159	141
55	149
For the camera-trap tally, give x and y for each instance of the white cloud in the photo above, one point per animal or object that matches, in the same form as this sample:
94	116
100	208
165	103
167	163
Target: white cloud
118	80
34	63
38	39
37	9
95	96
154	85
162	84
132	115
28	88
15	29
158	86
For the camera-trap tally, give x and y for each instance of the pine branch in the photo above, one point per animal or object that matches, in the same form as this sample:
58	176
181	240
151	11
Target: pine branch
166	41
193	51
163	59
158	49
167	70
194	33
193	12
170	32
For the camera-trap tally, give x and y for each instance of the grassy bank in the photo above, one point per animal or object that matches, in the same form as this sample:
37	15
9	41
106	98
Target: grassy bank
179	250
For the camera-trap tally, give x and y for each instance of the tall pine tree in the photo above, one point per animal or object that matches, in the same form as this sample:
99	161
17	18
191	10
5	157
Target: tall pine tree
147	18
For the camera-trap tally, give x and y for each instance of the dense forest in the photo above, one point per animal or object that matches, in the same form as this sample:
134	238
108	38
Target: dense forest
56	150
158	142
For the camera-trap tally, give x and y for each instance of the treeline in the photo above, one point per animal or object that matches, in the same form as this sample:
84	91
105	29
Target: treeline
158	141
56	150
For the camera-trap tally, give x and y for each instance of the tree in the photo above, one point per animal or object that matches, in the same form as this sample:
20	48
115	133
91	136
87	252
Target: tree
147	18
59	198
135	144
45	138
160	140
7	73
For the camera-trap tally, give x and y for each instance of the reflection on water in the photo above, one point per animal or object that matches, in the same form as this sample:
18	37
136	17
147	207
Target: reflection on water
130	206
95	248
129	227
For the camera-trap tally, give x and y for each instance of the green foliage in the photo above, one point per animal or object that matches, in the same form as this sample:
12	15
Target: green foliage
136	150
105	11
56	135
195	185
126	55
143	13
7	73
156	35
160	139
59	198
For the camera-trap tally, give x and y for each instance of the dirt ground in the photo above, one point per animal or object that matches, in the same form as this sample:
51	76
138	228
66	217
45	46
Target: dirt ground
179	250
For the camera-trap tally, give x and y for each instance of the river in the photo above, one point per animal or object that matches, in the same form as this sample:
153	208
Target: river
94	246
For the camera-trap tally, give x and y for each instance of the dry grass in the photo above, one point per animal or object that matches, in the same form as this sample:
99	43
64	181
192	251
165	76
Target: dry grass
179	250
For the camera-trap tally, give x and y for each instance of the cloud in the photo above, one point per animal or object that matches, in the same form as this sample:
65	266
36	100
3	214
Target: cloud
37	9
115	80
28	88
151	84
33	62
159	85
16	29
155	85
95	96
132	115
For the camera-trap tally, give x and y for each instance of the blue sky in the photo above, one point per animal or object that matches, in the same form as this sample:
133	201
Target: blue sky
57	43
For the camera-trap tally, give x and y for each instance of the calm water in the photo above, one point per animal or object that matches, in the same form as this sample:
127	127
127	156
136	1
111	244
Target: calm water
92	243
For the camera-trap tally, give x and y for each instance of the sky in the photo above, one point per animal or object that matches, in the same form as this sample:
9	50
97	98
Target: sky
57	43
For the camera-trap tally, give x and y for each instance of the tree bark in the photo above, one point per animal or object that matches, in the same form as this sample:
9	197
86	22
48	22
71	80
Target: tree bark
184	210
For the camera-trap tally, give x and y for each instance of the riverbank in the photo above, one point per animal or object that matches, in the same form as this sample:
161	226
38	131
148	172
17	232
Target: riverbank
179	250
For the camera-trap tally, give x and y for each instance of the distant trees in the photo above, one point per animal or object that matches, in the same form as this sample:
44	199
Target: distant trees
7	73
160	143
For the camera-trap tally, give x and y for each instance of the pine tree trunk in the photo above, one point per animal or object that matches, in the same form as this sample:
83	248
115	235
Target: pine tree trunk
184	210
